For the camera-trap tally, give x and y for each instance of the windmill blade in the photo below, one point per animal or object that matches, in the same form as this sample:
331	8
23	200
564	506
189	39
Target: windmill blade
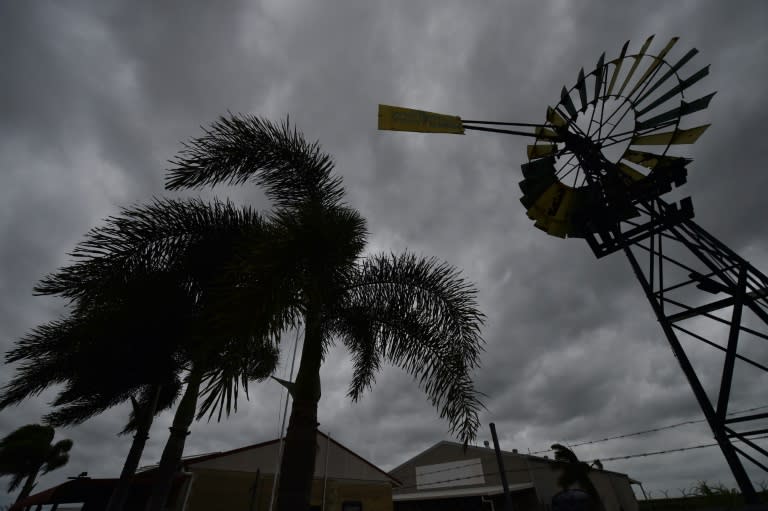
631	173
546	133
550	210
701	73
684	109
619	61
581	84
651	160
539	175
565	99
554	118
680	63
635	64
654	65
540	167
395	118
534	188
555	210
688	136
539	151
599	77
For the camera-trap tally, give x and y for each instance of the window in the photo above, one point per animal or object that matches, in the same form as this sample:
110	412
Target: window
352	505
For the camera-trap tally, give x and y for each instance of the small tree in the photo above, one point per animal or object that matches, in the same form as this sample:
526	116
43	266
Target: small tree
27	451
575	472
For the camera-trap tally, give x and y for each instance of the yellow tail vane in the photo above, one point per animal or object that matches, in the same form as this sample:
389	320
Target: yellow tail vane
396	118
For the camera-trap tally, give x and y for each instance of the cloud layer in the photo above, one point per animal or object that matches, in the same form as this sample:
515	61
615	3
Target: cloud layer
96	96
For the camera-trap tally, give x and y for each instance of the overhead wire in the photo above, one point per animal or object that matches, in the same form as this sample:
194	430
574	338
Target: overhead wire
646	431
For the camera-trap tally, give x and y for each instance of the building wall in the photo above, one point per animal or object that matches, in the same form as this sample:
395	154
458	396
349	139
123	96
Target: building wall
516	467
615	491
226	489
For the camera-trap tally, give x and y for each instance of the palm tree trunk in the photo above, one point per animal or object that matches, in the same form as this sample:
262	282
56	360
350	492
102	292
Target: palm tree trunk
174	448
28	485
120	494
298	465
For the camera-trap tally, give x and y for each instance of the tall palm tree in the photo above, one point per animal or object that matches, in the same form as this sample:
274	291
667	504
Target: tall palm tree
190	241
413	312
575	472
27	451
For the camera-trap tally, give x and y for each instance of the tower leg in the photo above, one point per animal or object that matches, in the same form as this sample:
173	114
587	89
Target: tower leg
716	422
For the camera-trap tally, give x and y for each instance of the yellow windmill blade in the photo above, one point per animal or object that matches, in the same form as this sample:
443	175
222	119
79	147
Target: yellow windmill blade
688	136
651	160
539	151
635	64
657	60
617	69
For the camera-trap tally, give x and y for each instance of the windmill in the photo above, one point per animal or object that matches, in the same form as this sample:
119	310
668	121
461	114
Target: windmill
597	169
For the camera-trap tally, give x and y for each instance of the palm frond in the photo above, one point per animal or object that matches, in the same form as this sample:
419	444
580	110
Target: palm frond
419	315
46	355
143	239
361	340
241	148
235	366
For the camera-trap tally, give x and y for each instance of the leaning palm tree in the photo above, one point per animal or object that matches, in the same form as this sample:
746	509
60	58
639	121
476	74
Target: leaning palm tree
190	241
413	312
27	451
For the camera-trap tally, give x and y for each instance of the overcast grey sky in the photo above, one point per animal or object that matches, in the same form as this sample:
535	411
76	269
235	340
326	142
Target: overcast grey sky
95	97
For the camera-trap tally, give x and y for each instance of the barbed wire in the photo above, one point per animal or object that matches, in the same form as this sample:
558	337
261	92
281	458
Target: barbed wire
646	431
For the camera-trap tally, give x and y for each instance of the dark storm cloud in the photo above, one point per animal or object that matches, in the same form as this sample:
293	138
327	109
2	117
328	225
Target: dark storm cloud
95	98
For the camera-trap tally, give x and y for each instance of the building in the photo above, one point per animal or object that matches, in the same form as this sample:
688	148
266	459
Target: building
241	479
448	477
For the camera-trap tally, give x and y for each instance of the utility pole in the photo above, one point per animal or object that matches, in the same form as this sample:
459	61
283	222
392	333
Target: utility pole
502	472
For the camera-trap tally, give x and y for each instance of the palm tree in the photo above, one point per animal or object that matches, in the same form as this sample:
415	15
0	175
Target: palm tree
190	242
575	472
413	312
27	451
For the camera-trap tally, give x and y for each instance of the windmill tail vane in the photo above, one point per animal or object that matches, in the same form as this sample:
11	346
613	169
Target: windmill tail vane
397	118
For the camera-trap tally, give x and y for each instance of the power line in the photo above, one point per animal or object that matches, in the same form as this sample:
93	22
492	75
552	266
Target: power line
646	431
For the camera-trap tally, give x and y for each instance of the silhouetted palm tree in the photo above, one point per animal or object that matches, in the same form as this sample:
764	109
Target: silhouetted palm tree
27	451
158	261
575	472
413	312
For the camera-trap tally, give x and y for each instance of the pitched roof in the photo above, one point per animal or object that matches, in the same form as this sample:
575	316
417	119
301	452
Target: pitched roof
443	443
199	458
